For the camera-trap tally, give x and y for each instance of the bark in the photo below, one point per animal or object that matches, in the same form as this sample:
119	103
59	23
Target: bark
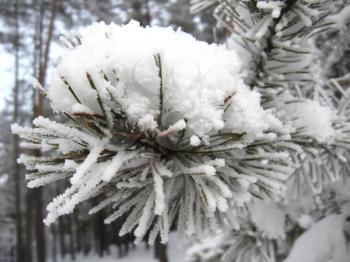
71	238
39	227
95	243
16	168
61	238
39	110
77	231
29	226
87	237
54	243
141	12
101	231
160	251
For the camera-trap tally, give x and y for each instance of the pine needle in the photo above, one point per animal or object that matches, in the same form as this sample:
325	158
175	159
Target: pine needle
70	89
161	94
92	84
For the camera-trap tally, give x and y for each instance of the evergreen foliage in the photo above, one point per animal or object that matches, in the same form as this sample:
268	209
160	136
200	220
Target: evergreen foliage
281	44
204	144
139	146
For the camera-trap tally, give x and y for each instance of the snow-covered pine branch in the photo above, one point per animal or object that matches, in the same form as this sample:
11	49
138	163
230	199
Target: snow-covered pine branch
161	126
278	44
254	240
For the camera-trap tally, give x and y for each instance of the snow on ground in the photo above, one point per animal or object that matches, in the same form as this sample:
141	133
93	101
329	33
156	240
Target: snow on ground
176	253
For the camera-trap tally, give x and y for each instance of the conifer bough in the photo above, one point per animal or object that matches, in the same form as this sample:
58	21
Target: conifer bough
161	128
278	42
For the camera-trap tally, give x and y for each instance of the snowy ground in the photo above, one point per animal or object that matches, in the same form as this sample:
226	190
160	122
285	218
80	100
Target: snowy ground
176	253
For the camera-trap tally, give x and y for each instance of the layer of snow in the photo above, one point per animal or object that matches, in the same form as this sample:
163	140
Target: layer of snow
79	108
276	6
176	253
323	242
201	82
207	248
268	218
195	141
312	119
305	221
341	18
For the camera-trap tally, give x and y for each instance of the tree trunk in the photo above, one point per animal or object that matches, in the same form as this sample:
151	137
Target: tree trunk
16	168
141	12
39	227
61	238
160	251
54	243
87	235
102	235
29	225
71	238
77	232
38	110
95	235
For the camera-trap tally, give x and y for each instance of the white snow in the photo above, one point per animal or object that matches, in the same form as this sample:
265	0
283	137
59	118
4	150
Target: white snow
159	192
199	80
70	164
145	218
313	119
219	162
195	141
88	162
323	242
341	18
147	122
175	249
207	248
79	108
115	164
305	221
209	170
178	126
276	6
268	218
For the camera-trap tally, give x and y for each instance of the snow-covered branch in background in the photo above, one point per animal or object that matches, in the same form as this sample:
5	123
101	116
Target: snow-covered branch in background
278	43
